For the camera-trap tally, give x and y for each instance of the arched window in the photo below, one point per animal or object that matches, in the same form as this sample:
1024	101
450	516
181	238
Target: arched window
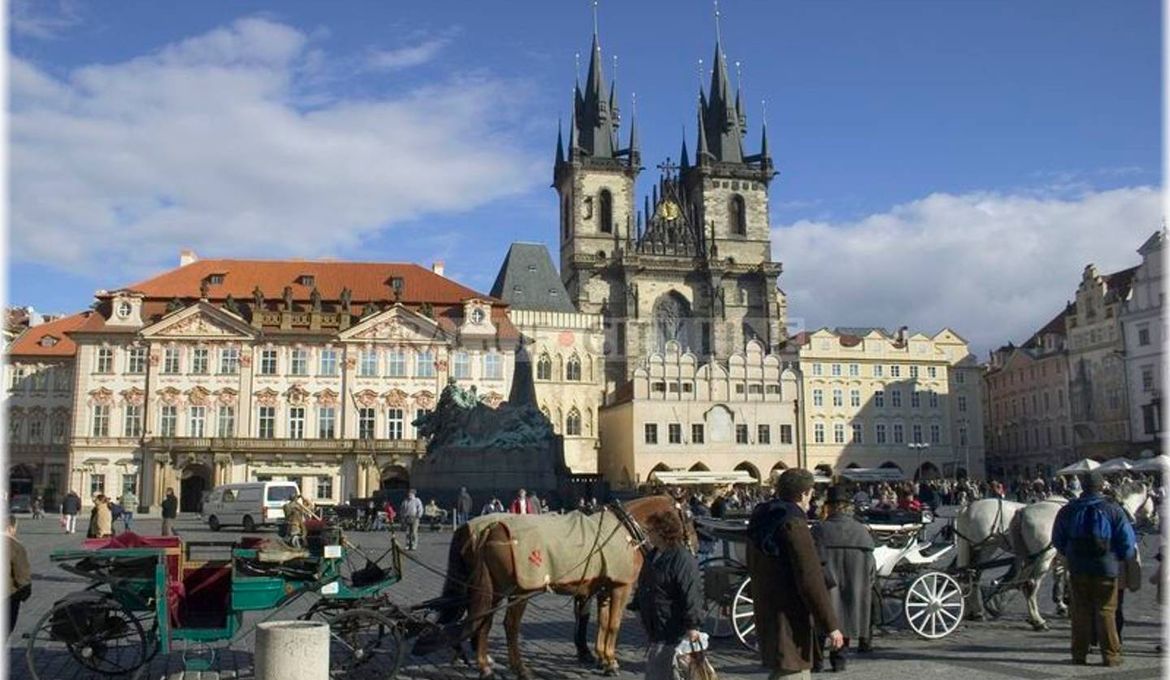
573	368
606	202
573	423
544	368
737	215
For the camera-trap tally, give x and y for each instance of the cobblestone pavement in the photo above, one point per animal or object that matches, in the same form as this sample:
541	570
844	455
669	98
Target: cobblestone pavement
1003	648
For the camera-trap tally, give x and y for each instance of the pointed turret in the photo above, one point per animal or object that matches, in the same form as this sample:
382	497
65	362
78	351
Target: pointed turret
634	153
595	120
560	145
764	156
722	115
683	162
702	153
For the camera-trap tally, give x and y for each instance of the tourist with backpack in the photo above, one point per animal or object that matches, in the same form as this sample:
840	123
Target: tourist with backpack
1094	537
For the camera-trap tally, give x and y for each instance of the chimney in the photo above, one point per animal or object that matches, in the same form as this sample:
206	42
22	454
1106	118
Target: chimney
186	257
437	267
902	335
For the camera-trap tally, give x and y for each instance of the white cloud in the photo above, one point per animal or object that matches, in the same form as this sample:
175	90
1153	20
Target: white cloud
994	267
203	144
405	57
43	19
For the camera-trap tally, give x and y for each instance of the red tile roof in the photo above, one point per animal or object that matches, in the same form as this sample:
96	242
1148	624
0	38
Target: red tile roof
30	343
368	281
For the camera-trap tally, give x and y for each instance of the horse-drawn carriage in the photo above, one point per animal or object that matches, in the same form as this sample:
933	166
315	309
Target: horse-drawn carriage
158	594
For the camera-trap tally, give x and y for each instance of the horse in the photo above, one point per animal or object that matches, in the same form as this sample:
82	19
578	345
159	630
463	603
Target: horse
1025	532
482	570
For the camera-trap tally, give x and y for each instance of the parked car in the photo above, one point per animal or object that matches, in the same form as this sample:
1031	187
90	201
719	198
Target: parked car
250	505
20	503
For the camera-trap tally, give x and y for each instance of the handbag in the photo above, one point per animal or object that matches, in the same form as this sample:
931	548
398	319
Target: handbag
1133	573
692	662
22	593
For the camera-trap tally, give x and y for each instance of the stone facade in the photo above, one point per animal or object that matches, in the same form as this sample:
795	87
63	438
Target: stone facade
1029	424
868	394
678	413
1097	388
1144	329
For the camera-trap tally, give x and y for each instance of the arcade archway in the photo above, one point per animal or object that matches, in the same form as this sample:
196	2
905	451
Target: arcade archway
395	477
194	482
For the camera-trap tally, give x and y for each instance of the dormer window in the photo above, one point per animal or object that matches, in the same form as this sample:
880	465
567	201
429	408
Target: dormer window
397	283
48	341
215	279
307	280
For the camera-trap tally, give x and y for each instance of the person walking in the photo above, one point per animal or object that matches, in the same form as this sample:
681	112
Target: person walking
522	504
19	574
463	507
170	512
101	518
38	507
294	520
412	512
669	597
848	549
129	505
70	506
1093	536
788	582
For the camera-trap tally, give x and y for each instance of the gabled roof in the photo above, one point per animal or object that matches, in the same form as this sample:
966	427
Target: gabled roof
1118	283
528	280
367	281
32	342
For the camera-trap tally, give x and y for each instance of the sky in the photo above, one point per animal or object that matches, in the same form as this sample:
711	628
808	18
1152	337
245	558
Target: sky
940	163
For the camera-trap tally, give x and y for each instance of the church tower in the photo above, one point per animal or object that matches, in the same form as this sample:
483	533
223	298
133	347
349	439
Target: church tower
594	180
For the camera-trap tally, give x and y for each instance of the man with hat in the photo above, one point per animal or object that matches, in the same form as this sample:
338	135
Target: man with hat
848	550
1094	537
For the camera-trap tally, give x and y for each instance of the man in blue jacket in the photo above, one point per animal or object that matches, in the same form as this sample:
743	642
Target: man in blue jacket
1094	537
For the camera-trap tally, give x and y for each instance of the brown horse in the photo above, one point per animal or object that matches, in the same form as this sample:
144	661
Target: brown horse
482	571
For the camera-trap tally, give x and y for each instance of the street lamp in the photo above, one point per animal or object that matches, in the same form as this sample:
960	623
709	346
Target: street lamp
918	462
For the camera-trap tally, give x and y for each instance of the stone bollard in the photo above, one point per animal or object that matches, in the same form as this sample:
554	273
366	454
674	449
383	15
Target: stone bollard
292	650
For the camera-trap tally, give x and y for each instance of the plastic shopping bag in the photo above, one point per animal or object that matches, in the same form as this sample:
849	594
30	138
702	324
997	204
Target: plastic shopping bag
691	660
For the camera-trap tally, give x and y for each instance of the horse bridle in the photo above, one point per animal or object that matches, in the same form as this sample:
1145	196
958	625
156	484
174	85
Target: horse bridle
631	525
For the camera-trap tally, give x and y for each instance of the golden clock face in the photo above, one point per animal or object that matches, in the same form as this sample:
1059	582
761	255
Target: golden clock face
669	210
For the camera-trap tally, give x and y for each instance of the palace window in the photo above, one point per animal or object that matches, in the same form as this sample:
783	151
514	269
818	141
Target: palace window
913	371
170	360
105	360
196	417
266	423
933	398
199	360
368	363
916	433
763	434
896	398
650	433
962	435
854	370
573	368
97	484
818	397
225	422
59	432
130	485
131	420
544	368
101	420
674	433
168	420
899	437
424	365
819	433
878	371
856	433
493	366
268	362
855	398
366	423
935	434
961	401
1147	378
229	360
1144	336
697	433
817	369
328	364
395	423
741	433
879	433
879	399
573	423
296	422
838	433
932	371
461	365
960	377
36	429
61	378
835	370
326	422
915	399
136	360
895	371
785	434
396	363
324	488
838	398
298	361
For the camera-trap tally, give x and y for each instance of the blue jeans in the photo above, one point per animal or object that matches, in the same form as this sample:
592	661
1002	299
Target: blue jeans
460	518
127	519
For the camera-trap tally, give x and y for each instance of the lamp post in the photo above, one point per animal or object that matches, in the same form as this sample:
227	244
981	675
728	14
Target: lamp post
918	446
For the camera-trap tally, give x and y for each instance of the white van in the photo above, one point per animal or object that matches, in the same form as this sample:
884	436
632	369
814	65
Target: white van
249	505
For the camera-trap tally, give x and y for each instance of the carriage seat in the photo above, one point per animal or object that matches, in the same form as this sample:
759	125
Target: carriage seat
172	561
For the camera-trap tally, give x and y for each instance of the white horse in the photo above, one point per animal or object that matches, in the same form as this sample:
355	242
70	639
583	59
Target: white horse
1025	531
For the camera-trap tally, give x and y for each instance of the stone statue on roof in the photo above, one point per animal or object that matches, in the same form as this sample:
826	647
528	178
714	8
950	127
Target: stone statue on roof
315	299
288	298
346	299
257	299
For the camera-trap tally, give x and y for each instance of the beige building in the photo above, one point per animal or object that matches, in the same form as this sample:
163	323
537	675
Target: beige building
39	404
870	398
1028	419
230	370
1097	385
565	347
680	414
1144	329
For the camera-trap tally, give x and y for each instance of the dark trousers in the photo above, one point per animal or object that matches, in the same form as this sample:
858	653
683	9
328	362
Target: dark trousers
1093	604
13	612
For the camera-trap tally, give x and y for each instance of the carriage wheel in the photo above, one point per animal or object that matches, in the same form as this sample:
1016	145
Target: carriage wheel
363	643
101	636
717	606
934	605
743	616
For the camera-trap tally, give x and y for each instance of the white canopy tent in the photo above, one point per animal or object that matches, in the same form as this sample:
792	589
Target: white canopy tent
1155	464
1080	467
1115	465
873	474
684	478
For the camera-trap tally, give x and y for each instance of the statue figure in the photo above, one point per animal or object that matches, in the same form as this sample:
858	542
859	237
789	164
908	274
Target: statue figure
632	300
346	299
257	299
315	299
460	419
427	310
230	305
204	289
174	305
288	298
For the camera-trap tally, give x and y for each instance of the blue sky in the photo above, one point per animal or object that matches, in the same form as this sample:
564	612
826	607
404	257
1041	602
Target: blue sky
423	131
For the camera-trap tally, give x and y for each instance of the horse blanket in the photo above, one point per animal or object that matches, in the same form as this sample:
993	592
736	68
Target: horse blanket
564	549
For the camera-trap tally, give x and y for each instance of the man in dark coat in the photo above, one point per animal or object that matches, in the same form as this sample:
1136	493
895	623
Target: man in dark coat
669	597
788	582
463	507
69	509
848	549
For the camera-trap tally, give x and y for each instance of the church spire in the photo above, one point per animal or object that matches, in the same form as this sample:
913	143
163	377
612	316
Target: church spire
595	115
560	145
722	111
682	155
633	153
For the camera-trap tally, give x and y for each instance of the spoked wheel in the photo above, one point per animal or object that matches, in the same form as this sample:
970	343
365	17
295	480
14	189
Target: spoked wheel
934	605
97	633
743	616
720	576
363	644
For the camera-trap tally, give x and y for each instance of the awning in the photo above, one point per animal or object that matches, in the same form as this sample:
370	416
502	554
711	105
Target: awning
873	474
1080	467
703	478
1115	465
1155	464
